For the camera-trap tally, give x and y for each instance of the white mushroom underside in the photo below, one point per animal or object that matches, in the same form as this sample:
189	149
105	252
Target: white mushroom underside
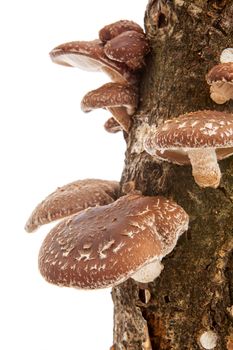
77	60
221	92
148	272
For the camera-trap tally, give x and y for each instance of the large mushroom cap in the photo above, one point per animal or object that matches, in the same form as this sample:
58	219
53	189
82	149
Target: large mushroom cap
90	56
201	129
220	79
104	246
112	30
199	138
72	198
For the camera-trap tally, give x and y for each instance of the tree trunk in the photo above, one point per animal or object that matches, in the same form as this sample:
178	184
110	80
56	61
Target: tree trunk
194	292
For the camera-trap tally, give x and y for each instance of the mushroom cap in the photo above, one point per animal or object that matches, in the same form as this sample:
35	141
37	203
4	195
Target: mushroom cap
220	79
129	47
220	72
72	198
90	56
200	129
111	95
112	30
103	246
112	126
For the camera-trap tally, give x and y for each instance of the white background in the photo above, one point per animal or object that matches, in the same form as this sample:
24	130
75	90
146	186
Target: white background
46	141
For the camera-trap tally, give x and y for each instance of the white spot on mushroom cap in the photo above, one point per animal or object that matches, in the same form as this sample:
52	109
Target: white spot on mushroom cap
208	340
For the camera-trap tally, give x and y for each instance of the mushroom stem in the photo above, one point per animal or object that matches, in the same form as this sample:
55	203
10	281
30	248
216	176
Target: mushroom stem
148	272
221	92
121	116
205	168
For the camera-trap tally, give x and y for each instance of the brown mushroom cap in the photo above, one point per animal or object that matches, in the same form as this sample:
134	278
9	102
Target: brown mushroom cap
112	126
90	56
200	129
221	72
72	198
120	99
220	77
112	30
129	47
111	95
103	246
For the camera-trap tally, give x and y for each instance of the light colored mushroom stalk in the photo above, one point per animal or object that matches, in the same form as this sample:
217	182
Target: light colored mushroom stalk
221	92
205	168
148	272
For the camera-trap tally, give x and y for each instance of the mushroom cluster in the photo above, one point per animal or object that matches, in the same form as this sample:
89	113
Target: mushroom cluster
119	52
102	238
199	138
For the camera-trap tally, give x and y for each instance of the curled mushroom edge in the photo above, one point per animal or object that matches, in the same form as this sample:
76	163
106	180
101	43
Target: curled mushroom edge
119	52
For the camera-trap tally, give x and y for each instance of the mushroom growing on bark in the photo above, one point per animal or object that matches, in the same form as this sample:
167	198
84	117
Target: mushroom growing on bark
125	42
71	199
90	56
220	78
112	30
103	246
112	126
120	99
128	47
200	138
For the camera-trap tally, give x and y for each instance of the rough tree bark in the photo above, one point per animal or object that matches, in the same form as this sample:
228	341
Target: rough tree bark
194	293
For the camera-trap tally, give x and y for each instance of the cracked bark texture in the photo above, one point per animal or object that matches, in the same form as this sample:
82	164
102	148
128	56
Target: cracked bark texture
194	292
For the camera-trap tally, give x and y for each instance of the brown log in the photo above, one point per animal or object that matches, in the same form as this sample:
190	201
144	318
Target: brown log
194	292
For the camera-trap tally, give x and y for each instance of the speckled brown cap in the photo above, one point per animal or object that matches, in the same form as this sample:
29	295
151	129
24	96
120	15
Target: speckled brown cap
120	99
112	126
111	95
220	77
72	198
90	56
200	129
129	47
103	246
221	72
112	30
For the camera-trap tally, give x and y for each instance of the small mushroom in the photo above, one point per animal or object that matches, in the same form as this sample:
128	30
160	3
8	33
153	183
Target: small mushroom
90	56
200	138
112	30
128	47
112	126
103	246
120	99
72	198
220	78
